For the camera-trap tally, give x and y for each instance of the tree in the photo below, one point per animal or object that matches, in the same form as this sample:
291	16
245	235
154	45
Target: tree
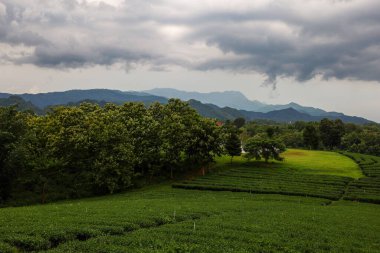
205	143
310	137
177	117
12	128
292	139
251	129
259	148
143	128
239	122
300	125
270	132
232	141
331	132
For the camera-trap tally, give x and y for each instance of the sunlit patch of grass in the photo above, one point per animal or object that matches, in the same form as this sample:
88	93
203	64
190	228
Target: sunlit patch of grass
303	161
321	162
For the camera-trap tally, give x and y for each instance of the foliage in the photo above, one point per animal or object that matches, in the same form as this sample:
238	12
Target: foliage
76	151
310	137
239	122
326	134
331	132
270	132
87	149
12	128
259	148
292	139
232	141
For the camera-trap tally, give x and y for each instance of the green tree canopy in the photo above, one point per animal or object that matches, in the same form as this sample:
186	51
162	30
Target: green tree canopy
310	136
263	148
331	132
232	141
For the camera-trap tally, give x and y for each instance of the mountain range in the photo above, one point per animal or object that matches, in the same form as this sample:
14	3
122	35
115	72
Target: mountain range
43	100
235	99
219	105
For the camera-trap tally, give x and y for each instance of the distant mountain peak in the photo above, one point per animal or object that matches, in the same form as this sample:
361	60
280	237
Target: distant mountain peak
234	99
229	100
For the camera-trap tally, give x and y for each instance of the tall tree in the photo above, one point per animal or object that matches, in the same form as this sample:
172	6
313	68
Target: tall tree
232	141
12	128
205	143
176	122
239	122
310	137
270	132
331	132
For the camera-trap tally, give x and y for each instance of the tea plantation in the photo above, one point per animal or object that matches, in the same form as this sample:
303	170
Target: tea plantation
305	176
234	218
365	189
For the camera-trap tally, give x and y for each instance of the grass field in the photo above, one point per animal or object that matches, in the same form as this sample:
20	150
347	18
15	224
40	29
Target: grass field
308	162
321	162
165	219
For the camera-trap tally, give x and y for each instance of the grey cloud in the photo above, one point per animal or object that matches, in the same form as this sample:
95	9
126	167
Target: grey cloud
76	56
69	34
335	47
340	39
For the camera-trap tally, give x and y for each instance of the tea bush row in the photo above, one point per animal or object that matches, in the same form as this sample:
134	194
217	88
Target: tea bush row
370	165
273	181
365	189
253	225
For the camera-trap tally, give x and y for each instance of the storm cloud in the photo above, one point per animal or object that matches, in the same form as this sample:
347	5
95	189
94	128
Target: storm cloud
299	39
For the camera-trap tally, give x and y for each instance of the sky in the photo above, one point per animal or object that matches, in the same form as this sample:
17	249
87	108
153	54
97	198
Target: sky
320	53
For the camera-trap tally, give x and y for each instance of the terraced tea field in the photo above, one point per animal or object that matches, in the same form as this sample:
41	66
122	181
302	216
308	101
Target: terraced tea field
370	165
327	177
255	179
165	219
365	189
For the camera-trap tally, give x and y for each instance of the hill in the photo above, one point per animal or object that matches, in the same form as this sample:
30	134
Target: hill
283	115
43	100
20	103
232	99
237	100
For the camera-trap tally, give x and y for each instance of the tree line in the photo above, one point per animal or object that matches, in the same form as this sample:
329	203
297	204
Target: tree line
76	151
323	135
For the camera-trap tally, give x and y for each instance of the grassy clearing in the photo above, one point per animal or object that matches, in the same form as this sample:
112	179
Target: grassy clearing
305	162
163	219
321	162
